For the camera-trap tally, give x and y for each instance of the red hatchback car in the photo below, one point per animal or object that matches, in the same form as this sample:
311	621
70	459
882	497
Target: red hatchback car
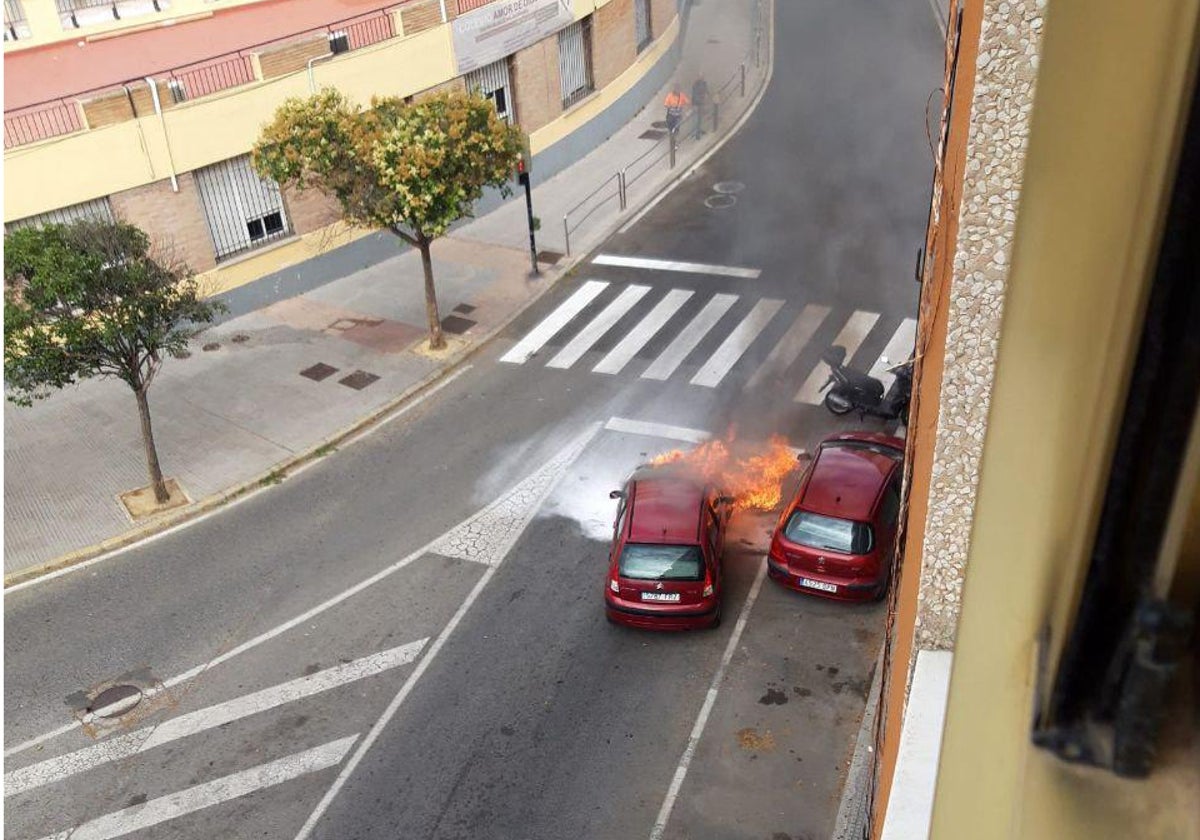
664	570
836	537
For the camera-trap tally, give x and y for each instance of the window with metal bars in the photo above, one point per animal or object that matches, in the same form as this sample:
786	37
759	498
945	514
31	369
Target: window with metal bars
492	82
243	211
575	61
15	27
96	210
641	24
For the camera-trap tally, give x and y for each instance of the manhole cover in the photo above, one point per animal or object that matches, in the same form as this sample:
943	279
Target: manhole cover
358	380
728	187
115	701
653	134
319	371
719	201
549	257
464	309
456	324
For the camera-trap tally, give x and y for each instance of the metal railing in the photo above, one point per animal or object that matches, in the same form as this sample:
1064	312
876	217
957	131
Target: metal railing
61	116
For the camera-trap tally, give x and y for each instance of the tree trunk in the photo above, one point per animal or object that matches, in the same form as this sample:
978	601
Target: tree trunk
156	477
436	340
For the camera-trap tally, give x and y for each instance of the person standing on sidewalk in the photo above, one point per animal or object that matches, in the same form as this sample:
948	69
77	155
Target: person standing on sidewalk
700	100
676	101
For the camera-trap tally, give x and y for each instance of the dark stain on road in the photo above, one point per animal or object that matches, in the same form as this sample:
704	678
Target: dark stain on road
517	594
507	730
773	697
312	669
137	799
800	691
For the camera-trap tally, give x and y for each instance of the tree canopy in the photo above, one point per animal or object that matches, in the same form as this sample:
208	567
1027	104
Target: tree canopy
88	299
412	168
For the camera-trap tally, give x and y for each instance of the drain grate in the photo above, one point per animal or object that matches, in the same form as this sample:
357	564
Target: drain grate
464	309
456	325
653	134
358	380
319	371
115	701
549	257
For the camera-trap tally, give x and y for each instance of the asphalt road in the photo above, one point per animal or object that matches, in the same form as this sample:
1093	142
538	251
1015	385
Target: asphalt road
407	639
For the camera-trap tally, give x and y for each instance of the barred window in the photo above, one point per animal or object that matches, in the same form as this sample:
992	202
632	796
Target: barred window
243	211
96	210
641	22
575	61
492	81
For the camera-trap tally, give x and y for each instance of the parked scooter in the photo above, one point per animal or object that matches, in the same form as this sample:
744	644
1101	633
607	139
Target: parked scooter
856	391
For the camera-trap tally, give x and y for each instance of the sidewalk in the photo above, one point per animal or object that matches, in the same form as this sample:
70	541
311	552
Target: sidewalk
239	409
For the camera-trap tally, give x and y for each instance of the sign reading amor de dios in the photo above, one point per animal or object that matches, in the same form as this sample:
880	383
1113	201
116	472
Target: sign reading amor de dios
499	29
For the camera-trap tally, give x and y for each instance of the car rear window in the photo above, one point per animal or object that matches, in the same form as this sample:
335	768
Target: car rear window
640	561
828	533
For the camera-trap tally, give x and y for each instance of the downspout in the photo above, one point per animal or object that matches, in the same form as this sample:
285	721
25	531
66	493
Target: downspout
163	124
443	6
312	80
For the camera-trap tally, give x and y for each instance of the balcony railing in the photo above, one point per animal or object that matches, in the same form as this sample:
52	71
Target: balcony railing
192	81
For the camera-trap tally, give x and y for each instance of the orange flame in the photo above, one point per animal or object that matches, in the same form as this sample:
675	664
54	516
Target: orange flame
754	476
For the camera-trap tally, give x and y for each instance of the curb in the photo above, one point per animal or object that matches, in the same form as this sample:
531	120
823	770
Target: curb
194	512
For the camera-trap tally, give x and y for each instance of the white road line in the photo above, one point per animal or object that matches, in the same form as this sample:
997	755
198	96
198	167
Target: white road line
597	327
58	768
898	349
645	330
560	462
174	805
674	265
555	321
710	699
661	430
736	344
789	347
851	337
689	337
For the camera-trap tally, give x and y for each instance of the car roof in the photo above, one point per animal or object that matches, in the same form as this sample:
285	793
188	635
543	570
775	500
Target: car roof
665	508
846	480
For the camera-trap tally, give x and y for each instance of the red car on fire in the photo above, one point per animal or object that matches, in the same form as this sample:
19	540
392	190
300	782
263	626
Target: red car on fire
836	538
664	569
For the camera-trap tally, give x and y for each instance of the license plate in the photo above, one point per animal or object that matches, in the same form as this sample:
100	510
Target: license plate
660	596
818	584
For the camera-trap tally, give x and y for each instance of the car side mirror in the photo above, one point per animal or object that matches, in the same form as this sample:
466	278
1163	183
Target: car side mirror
804	456
724	500
617	494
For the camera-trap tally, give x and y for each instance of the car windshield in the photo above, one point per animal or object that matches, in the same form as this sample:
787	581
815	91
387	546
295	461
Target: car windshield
640	561
828	533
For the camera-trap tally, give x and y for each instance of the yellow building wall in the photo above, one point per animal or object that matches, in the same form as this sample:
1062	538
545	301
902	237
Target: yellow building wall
1110	105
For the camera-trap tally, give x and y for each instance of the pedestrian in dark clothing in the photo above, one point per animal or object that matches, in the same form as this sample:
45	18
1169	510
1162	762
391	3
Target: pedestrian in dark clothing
700	100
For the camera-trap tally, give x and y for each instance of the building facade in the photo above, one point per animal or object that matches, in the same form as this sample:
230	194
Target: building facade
146	110
1037	680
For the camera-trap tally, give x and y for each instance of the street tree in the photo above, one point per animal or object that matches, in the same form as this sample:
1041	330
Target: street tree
411	169
91	299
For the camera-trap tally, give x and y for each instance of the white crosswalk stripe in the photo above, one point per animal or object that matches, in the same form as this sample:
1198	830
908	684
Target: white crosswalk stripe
555	321
175	805
788	349
645	330
738	342
676	265
687	340
851	337
598	326
899	348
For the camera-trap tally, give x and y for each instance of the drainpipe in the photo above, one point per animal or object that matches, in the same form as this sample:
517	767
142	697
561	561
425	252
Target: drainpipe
312	81
163	124
443	5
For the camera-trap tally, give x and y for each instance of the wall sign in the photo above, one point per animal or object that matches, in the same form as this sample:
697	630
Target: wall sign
499	29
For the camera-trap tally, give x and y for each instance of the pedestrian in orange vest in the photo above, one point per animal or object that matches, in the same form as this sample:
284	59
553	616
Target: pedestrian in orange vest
676	101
